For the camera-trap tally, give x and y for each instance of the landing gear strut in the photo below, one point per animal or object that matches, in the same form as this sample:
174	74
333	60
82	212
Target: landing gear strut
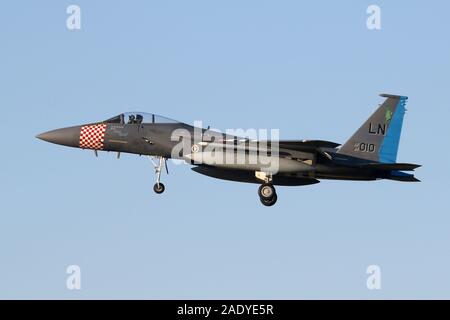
159	186
267	194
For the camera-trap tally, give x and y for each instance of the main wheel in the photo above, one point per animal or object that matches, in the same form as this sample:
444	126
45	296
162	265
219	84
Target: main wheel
159	188
269	202
266	191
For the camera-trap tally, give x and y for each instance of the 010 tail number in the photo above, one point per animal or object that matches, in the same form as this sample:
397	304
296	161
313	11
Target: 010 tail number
364	147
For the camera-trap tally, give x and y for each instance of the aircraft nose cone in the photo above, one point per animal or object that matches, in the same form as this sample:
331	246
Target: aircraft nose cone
66	136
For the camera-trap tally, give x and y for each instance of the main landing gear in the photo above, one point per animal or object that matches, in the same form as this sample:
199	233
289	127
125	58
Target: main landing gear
159	186
267	194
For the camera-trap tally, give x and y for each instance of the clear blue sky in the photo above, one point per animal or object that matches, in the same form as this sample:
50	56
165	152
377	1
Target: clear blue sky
311	69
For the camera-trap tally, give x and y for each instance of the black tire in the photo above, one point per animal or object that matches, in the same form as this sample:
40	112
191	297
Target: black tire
270	202
266	191
159	188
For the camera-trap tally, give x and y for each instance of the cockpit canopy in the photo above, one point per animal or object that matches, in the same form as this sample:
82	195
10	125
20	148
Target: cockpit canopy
138	118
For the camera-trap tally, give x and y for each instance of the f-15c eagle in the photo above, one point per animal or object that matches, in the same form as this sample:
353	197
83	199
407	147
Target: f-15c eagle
369	154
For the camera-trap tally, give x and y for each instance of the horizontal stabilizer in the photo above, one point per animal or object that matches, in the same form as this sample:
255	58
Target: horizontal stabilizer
390	166
405	179
402	176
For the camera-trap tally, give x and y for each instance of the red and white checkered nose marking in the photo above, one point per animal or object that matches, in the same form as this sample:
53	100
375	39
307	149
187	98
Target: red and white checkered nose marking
92	137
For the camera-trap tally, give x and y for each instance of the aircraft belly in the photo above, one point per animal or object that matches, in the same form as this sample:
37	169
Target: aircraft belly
250	162
248	176
343	173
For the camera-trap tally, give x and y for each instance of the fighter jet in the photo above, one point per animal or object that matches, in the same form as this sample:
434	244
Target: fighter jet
369	154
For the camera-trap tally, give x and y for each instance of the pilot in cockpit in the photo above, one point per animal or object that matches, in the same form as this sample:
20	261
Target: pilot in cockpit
131	119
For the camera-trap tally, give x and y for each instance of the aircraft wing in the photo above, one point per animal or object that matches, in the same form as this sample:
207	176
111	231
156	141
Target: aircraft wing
302	145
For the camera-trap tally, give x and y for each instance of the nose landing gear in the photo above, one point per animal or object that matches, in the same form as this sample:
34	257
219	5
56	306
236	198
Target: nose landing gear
159	186
267	194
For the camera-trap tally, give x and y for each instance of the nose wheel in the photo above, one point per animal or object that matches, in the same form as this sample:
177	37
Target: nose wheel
267	194
159	187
